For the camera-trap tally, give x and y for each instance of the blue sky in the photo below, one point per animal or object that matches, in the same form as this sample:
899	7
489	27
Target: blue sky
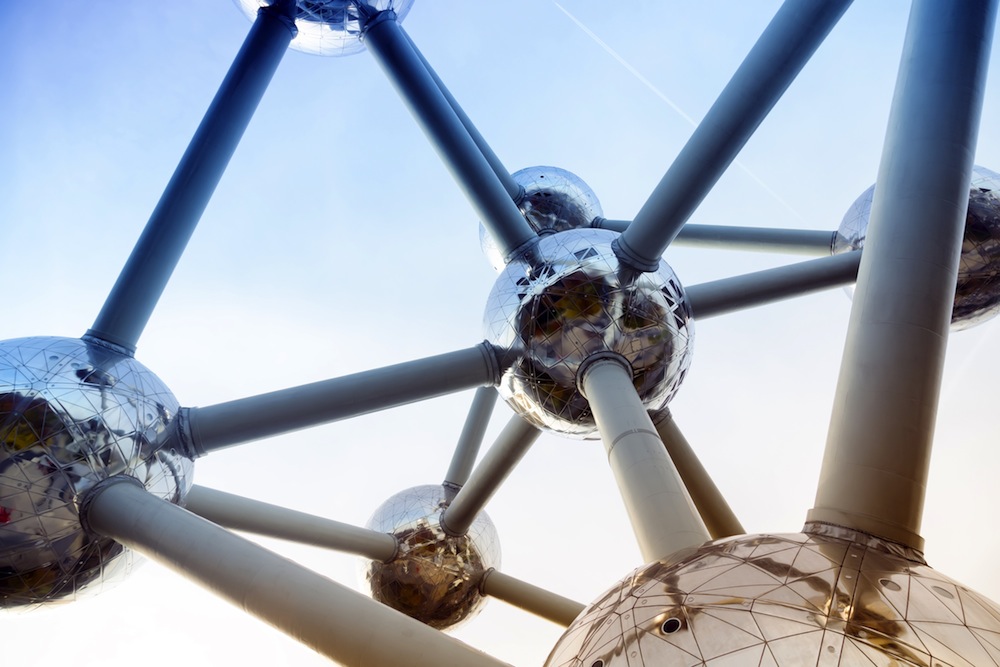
337	242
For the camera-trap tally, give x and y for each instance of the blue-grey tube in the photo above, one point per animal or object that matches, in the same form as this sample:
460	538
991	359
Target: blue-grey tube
395	53
785	46
140	284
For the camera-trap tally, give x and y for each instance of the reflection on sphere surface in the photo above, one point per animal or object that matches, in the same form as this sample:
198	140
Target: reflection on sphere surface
828	597
328	27
73	414
977	294
554	200
568	299
434	577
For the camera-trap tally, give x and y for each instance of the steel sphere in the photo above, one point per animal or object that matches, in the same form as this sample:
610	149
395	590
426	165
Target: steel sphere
568	299
830	596
434	577
554	200
329	27
977	294
72	414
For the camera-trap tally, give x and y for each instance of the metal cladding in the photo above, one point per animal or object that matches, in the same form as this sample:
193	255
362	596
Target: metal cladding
329	27
434	577
554	200
836	598
71	415
977	295
569	298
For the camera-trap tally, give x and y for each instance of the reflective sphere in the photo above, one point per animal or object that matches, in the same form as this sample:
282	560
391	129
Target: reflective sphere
554	200
329	27
977	295
836	598
71	415
568	299
434	577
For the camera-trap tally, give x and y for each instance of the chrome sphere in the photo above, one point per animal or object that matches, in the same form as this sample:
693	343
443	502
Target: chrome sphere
977	294
329	27
830	597
568	299
434	577
554	200
72	414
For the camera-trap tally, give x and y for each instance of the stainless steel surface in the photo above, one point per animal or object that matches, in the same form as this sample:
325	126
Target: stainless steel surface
330	27
73	414
553	200
977	295
569	299
829	597
434	577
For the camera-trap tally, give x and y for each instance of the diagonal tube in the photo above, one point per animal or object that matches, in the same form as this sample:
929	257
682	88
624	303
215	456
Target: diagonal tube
471	438
253	516
732	237
661	512
874	472
708	500
397	56
331	619
784	47
510	447
530	598
144	277
784	282
218	426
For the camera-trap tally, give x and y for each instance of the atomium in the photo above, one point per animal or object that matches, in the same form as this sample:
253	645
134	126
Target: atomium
977	294
828	596
72	414
434	577
570	298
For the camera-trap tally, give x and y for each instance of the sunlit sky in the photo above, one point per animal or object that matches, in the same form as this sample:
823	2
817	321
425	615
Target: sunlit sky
337	242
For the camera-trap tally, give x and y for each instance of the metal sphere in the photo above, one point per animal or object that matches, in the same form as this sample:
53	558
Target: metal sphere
329	27
828	597
554	200
434	577
568	299
977	294
72	414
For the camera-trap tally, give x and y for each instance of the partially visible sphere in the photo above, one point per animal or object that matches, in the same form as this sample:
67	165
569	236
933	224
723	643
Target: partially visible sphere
977	294
569	299
329	27
72	414
434	577
554	200
838	598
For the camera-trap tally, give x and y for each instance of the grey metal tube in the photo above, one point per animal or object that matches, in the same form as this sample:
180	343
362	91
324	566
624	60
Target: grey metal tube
754	289
245	419
510	185
785	46
331	619
471	438
144	277
754	239
874	472
252	516
719	518
663	517
511	445
530	598
394	52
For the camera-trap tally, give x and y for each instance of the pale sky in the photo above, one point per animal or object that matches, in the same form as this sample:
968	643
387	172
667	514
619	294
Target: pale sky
338	242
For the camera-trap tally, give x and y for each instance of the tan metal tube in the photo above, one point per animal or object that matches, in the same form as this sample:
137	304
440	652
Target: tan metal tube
252	516
530	598
333	620
712	506
663	517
